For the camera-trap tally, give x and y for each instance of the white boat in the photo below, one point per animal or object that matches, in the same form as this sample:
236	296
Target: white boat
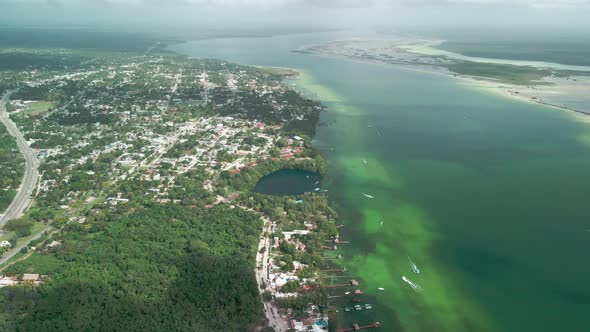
368	306
415	286
381	288
346	293
317	182
358	307
316	189
369	196
414	266
381	222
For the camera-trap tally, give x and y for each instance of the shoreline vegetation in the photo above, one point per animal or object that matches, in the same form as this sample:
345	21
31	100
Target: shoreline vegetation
297	257
561	89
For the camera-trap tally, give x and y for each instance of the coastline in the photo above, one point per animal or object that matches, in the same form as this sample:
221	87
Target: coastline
396	298
272	308
450	284
505	90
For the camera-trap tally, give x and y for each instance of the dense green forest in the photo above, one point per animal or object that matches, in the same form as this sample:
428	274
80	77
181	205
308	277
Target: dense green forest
156	268
11	168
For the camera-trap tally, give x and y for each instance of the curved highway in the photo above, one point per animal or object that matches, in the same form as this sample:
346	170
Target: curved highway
24	194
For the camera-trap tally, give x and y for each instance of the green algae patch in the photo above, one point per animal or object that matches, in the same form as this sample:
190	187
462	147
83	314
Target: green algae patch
306	82
438	303
584	139
365	170
393	230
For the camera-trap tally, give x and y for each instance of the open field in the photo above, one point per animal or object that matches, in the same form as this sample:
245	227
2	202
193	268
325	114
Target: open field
39	107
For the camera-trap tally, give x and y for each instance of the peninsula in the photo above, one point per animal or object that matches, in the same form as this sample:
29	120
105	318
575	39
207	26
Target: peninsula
549	84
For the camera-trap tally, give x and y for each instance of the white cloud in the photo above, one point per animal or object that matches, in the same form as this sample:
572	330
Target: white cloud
327	3
530	3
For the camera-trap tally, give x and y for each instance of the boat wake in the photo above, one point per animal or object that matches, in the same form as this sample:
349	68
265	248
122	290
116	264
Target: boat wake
415	286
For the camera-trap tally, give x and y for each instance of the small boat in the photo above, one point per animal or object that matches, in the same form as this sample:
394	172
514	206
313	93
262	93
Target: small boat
316	189
299	201
416	287
368	196
381	288
358	307
364	161
347	309
414	266
317	182
381	222
346	293
368	306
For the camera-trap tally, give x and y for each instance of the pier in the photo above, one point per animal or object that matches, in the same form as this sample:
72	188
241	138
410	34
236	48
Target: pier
353	300
338	241
337	285
357	292
356	327
334	270
351	283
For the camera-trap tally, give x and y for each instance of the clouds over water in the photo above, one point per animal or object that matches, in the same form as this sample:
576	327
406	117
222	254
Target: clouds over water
327	3
474	13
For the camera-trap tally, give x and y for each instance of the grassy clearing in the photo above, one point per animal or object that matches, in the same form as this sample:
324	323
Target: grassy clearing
36	229
39	107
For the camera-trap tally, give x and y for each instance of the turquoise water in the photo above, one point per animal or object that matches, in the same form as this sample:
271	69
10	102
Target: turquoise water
488	196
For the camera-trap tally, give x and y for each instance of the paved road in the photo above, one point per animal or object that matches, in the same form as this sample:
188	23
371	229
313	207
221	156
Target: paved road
16	250
25	192
262	259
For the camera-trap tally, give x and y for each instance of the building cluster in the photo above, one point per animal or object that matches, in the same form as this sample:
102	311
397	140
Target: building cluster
155	116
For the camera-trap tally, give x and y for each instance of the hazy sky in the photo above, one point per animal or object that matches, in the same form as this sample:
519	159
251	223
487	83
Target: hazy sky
349	13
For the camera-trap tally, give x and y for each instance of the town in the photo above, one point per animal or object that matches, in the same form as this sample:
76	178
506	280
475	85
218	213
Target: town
117	135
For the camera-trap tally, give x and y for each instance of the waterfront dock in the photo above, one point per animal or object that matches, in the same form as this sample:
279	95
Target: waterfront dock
357	327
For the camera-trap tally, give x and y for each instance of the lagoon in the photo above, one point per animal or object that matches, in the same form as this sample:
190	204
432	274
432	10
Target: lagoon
288	182
487	195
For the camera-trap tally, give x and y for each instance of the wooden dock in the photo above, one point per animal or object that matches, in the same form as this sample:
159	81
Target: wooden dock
357	327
